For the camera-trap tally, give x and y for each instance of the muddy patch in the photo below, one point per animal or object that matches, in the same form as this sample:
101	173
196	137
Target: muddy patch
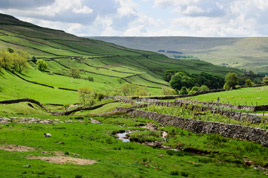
18	148
64	160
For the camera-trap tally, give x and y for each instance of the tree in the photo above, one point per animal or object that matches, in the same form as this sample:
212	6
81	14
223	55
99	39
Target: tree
265	80
168	91
141	91
231	80
19	63
128	89
41	65
249	83
6	60
194	90
134	90
86	96
203	88
14	60
183	91
75	73
181	79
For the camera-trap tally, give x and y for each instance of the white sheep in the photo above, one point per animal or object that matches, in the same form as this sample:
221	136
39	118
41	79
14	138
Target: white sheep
47	134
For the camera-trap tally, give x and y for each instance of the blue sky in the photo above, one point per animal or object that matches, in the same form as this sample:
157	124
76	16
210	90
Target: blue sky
207	18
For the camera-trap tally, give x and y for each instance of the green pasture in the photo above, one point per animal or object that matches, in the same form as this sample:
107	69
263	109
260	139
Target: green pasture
244	96
117	159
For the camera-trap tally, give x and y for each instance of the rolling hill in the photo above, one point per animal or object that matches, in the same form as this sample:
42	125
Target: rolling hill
243	53
108	64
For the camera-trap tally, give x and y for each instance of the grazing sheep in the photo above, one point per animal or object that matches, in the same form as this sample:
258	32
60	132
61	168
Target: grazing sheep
47	134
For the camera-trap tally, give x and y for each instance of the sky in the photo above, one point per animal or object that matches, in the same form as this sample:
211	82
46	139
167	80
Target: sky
203	18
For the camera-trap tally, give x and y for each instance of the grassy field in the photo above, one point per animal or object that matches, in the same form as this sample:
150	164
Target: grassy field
85	136
117	159
109	65
243	96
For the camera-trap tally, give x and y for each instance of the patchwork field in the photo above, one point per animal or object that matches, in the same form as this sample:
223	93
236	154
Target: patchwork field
47	130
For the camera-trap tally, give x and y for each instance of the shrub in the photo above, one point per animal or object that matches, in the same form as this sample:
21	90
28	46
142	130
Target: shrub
90	79
194	90
183	91
249	83
86	96
133	89
75	73
203	88
231	80
168	91
14	60
265	80
41	65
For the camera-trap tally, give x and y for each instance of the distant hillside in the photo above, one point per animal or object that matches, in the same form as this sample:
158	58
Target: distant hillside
103	66
246	53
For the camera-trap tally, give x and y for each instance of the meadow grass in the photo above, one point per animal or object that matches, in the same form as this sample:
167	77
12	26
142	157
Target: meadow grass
244	96
115	158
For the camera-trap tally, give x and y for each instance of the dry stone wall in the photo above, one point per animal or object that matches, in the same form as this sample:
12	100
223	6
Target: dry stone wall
186	103
205	127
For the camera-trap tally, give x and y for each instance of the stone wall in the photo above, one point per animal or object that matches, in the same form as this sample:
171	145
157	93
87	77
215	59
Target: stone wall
205	127
186	103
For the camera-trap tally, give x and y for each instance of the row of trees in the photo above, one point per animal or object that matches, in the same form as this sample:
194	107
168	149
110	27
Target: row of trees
178	79
185	83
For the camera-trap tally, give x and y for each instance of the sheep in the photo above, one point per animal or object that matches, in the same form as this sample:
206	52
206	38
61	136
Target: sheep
47	134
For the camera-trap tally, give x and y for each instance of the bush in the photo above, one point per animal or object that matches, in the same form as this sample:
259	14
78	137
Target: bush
249	83
86	96
41	65
203	88
90	79
194	90
183	91
14	60
231	80
75	73
168	91
265	80
134	90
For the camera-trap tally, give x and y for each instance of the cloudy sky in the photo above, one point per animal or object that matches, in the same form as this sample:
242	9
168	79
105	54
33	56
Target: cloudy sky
209	18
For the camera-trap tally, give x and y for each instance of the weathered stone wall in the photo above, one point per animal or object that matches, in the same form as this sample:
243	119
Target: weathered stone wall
185	103
205	127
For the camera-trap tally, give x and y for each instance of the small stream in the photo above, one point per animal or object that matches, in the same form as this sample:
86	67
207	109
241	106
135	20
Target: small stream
123	136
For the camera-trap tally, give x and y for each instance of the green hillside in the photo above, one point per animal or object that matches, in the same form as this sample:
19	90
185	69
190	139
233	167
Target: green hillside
108	64
244	53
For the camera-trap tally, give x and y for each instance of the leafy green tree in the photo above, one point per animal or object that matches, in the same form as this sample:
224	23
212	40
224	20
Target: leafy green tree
194	90
75	73
203	88
183	91
6	60
87	96
168	91
41	65
265	80
128	89
249	83
168	74
19	63
14	60
231	80
141	91
181	79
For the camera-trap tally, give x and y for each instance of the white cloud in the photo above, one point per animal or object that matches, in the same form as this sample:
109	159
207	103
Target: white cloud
135	18
83	10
